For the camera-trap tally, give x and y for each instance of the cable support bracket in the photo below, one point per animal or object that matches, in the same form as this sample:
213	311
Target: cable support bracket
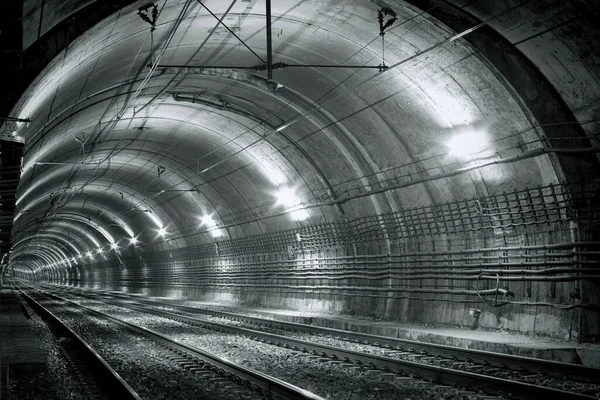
382	13
149	16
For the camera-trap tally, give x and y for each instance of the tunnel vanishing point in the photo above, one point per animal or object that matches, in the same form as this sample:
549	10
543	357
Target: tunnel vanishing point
401	160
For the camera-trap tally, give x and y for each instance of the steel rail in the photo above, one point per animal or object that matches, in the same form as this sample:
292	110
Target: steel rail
483	357
370	361
267	384
115	385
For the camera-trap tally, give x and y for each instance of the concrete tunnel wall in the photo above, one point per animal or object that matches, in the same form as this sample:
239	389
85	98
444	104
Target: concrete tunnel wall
397	228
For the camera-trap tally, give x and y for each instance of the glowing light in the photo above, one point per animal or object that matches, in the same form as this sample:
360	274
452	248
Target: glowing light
467	144
74	259
208	221
287	197
271	169
155	219
90	254
162	231
100	251
114	246
133	241
442	99
300	215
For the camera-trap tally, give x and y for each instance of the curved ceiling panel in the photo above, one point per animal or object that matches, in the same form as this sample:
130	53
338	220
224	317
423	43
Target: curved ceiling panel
136	129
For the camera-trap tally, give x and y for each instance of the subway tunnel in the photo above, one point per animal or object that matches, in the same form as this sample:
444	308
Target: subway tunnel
412	162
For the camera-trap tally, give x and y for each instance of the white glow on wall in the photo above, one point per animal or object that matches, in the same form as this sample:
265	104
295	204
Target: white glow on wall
162	231
271	170
287	197
216	233
31	204
93	239
208	221
105	233
128	230
26	167
467	144
299	215
155	219
448	104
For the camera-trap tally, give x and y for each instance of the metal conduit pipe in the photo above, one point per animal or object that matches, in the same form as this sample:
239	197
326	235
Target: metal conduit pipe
405	297
387	258
560	278
353	288
525	155
346	262
464	251
369	269
361	273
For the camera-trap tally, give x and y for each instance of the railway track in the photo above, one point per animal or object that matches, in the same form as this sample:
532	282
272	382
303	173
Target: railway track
97	378
497	373
234	380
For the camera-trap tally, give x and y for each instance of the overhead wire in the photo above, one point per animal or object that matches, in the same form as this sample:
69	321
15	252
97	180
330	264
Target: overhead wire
344	93
295	119
156	60
110	127
230	31
401	62
104	132
325	77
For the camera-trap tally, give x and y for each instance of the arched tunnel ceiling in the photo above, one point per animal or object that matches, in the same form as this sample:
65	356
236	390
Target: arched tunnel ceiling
133	146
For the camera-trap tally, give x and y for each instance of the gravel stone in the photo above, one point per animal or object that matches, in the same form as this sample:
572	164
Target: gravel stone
141	362
326	379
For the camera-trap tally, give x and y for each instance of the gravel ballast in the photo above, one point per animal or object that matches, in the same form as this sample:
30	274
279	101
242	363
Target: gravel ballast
328	380
142	363
591	389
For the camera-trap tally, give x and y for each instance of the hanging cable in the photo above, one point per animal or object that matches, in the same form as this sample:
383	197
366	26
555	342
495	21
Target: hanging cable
230	31
142	12
381	14
367	80
326	76
402	62
119	114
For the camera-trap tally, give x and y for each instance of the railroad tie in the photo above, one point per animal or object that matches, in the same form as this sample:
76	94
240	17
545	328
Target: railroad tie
388	376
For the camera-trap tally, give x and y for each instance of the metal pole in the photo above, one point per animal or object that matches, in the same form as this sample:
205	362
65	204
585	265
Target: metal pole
269	44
